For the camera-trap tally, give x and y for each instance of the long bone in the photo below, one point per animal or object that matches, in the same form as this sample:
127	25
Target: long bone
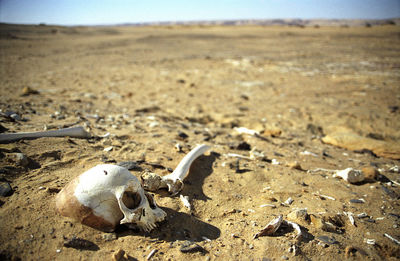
73	132
173	181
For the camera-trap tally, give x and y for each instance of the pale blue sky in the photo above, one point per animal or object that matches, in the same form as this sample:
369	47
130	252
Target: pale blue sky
92	12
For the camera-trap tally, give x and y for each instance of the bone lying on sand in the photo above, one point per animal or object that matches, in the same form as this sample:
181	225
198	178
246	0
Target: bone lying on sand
73	132
174	181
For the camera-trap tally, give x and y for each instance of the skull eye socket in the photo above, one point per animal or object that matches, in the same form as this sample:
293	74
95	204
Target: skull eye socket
151	200
131	200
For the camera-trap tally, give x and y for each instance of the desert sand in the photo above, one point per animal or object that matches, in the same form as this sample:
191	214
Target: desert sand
319	98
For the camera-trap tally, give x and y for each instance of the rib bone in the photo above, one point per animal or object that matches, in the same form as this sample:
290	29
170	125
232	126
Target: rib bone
74	132
173	181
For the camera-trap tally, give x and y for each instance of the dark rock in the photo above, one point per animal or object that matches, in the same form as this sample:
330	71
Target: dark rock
79	243
243	146
356	201
131	165
5	189
327	240
315	130
3	129
182	136
191	247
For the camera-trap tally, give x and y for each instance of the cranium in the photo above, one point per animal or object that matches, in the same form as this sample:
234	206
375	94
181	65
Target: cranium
107	195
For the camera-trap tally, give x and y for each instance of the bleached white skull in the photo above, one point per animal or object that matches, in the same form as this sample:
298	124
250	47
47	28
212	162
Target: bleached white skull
107	195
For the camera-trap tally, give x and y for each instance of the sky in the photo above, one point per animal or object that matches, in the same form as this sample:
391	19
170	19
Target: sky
105	12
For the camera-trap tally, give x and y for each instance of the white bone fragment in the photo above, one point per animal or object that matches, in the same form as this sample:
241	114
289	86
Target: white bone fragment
267	205
351	217
151	254
234	155
270	228
173	181
107	195
73	132
275	162
308	153
289	201
370	241
243	130
392	238
295	226
185	201
324	196
362	215
350	175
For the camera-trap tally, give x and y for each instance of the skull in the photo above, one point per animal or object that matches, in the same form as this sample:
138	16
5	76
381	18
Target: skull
107	195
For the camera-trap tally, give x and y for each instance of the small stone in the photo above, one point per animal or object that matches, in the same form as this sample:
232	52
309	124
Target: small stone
191	247
327	240
243	146
21	159
182	136
299	215
108	148
109	236
28	91
358	201
118	256
52	190
130	165
5	189
80	243
284	258
289	201
294	165
370	173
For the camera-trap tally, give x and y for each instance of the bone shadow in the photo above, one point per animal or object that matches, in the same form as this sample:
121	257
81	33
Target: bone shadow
201	168
177	226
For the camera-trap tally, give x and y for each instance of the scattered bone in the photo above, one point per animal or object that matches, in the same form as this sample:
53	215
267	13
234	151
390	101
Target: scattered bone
289	201
324	196
151	254
275	162
308	153
351	217
243	130
107	195
392	238
107	149
185	201
178	147
73	132
362	215
173	181
350	175
234	155
270	228
295	227
267	205
370	241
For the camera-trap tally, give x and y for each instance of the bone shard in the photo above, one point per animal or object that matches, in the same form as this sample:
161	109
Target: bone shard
350	175
173	181
270	228
73	132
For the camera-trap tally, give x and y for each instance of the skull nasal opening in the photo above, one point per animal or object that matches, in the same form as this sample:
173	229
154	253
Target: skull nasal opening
150	198
131	199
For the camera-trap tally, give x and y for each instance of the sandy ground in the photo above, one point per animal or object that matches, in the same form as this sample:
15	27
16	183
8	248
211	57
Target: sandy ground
300	88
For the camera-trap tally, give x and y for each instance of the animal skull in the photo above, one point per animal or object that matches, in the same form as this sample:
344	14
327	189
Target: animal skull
107	195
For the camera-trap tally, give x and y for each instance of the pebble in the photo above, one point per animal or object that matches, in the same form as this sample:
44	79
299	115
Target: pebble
359	201
289	201
109	236
191	247
79	243
294	165
118	256
5	189
130	165
182	136
21	159
370	173
327	240
299	215
28	91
